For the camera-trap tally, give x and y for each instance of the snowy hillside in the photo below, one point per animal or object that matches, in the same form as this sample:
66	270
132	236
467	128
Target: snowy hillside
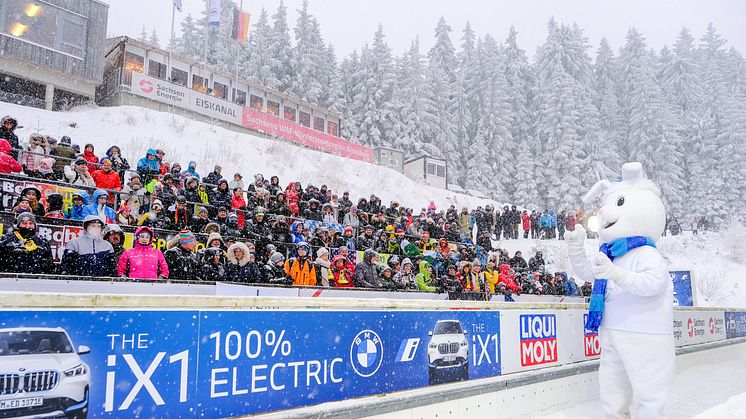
136	129
717	261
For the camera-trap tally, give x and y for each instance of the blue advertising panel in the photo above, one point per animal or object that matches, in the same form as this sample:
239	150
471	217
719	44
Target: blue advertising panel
682	288
735	324
227	363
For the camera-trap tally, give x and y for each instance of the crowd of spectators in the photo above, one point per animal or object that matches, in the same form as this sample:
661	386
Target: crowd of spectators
262	232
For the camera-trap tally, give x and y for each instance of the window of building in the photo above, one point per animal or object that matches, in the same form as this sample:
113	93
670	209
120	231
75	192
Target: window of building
289	113
393	163
256	102
304	119
239	96
384	153
441	171
430	169
332	128
46	25
273	108
318	123
179	77
220	90
156	69
132	63
199	83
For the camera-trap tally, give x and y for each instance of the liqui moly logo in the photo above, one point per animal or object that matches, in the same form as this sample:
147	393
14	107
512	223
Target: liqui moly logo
591	344
538	339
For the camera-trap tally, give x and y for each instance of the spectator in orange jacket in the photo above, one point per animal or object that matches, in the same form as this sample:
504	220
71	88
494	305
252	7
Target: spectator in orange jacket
300	268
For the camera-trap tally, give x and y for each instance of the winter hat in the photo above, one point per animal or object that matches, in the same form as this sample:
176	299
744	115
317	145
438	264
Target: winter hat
90	218
80	160
157	204
25	216
321	252
124	207
343	249
186	236
47	161
348	228
65	140
106	161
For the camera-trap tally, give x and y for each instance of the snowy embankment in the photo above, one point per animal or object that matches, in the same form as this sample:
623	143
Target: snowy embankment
136	129
716	260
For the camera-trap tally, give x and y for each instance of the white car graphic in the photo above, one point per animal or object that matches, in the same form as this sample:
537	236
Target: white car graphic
448	351
42	375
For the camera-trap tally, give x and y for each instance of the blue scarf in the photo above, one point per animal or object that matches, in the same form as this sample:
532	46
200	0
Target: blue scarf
613	249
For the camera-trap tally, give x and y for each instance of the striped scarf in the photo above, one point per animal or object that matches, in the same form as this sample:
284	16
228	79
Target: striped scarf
613	249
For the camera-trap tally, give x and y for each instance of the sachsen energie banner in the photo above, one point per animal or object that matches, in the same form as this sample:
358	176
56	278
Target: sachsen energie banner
225	363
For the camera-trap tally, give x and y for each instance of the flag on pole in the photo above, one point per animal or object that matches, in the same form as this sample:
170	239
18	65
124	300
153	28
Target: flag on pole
213	13
177	4
240	26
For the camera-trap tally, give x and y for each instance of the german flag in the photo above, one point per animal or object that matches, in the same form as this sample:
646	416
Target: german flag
240	26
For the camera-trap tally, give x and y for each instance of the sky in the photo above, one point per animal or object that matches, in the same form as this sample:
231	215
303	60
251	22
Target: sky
349	24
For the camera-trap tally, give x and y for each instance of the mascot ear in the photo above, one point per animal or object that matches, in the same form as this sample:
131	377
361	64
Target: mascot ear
599	189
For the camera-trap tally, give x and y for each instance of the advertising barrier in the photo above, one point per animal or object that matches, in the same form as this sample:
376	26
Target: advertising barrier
693	327
214	363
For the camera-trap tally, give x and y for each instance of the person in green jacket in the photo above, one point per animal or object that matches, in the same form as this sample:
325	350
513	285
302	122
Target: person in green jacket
425	277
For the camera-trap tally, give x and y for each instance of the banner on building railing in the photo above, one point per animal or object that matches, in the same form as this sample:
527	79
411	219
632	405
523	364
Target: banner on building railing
224	110
228	363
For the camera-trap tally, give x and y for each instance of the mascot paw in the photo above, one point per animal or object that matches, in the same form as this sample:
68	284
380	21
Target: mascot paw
603	268
575	239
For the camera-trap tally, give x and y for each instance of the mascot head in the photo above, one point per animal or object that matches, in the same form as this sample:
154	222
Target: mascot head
630	207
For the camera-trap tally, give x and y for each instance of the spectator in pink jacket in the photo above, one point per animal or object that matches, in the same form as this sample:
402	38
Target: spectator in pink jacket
143	261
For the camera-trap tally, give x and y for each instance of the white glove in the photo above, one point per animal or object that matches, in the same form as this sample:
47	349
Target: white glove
603	267
576	240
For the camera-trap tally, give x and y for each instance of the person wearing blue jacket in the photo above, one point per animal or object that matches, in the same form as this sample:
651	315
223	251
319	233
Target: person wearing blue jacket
546	224
98	207
553	225
148	166
191	170
76	212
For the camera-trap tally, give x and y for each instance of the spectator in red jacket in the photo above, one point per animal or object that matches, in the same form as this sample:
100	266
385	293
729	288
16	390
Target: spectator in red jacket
7	163
238	203
106	178
90	157
508	279
526	223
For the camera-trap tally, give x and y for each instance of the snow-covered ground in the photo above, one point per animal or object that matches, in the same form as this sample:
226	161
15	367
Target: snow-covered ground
136	129
708	385
718	260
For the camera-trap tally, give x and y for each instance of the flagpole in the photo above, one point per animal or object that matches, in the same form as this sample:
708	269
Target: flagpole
238	53
207	29
171	44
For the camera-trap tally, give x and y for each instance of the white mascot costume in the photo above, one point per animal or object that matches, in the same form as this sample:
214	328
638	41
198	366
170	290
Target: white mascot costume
632	295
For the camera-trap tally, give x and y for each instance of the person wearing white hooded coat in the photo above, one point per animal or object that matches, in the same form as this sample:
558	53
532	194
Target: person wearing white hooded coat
636	331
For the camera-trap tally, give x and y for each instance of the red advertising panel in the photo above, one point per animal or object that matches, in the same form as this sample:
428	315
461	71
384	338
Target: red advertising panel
308	137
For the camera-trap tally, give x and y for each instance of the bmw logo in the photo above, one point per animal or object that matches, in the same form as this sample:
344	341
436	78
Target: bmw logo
366	353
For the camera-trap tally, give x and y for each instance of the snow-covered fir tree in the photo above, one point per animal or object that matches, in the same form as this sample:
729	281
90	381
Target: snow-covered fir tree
261	61
532	134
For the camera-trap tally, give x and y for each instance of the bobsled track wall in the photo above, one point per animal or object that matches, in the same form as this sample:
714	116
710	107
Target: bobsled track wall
187	355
